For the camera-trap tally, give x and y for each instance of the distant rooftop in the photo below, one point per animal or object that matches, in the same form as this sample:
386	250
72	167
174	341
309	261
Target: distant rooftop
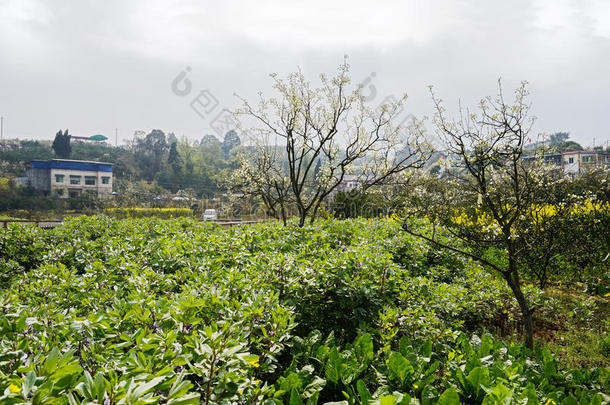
98	138
68	164
93	138
72	160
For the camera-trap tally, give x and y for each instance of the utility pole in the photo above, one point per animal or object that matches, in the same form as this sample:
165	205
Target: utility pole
116	137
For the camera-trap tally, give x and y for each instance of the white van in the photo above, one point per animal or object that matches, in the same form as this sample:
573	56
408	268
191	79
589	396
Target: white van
210	215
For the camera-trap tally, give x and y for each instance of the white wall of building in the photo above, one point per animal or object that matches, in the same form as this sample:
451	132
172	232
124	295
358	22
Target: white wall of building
571	162
98	187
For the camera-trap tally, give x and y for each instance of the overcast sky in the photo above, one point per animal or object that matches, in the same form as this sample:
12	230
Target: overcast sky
93	66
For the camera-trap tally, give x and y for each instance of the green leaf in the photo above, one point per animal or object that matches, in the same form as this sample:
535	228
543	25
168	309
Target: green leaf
251	360
387	400
43	392
99	387
405	400
28	383
477	378
400	367
426	350
315	386
461	379
363	347
530	394
313	400
188	399
72	400
498	395
179	387
142	389
597	399
51	361
404	346
429	395
333	366
486	346
295	398
449	397
365	396
349	368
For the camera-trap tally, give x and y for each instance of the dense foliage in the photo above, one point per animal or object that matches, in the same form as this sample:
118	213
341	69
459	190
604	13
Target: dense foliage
112	311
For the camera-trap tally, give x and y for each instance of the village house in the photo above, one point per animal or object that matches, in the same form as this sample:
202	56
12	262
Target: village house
70	178
573	162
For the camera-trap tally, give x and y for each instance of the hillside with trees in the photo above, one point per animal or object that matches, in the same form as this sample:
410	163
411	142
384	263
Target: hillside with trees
150	165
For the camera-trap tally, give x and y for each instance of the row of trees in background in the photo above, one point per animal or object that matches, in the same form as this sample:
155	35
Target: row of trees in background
163	161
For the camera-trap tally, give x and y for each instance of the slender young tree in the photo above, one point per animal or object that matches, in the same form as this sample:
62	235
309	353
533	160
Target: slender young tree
230	142
174	159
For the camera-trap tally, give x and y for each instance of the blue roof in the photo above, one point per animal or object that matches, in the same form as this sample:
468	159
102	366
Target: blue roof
65	164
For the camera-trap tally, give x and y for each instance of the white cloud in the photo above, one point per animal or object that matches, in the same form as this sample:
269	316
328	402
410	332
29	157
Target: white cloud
187	29
116	58
24	11
19	21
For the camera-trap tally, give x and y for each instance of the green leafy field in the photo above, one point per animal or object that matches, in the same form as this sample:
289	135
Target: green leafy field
113	311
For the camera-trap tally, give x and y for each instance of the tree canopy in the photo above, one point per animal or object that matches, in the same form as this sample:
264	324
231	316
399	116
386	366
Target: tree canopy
326	133
61	144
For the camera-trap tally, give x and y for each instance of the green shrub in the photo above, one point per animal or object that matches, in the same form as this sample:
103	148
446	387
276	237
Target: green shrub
159	311
136	212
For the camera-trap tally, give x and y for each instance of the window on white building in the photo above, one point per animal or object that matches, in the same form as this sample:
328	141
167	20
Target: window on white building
59	178
75	179
105	180
90	180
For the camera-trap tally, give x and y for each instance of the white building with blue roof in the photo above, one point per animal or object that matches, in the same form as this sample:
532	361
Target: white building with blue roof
70	178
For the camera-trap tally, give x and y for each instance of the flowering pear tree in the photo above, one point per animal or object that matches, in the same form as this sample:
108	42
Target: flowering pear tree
328	132
261	175
493	188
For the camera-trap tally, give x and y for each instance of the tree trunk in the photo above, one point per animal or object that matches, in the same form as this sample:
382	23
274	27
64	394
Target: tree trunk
312	219
302	217
283	211
543	280
512	278
315	211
